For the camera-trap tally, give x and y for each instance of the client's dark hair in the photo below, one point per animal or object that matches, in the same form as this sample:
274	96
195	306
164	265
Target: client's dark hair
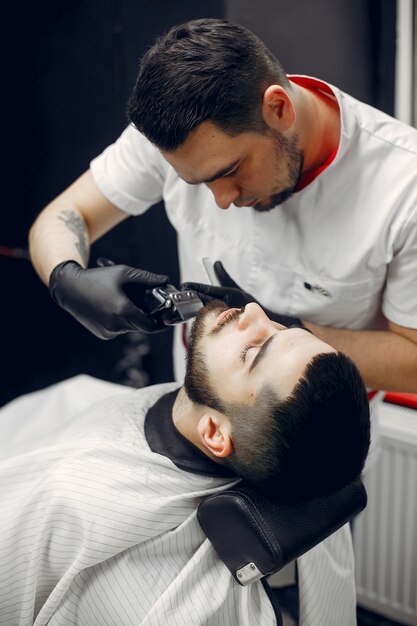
206	69
312	443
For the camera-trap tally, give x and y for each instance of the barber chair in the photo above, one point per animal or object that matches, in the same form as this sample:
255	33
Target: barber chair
256	538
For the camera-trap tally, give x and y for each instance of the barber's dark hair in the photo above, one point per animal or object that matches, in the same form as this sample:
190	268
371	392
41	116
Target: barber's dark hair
206	69
312	443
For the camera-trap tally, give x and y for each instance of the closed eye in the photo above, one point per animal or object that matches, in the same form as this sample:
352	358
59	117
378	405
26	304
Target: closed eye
244	352
232	173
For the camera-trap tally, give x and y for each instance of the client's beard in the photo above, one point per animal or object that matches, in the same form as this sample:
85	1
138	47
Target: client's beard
196	382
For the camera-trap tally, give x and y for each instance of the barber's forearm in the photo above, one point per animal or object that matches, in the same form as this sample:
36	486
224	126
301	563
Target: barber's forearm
64	230
385	359
59	234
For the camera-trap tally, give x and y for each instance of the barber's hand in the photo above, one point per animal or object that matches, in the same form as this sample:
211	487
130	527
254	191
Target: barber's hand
102	298
234	296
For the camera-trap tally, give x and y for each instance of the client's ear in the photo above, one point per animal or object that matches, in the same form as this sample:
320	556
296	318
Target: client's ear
215	432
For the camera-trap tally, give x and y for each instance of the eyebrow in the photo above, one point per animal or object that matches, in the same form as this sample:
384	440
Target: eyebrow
218	174
261	352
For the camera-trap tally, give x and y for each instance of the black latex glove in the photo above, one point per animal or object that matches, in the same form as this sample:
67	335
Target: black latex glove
234	296
108	300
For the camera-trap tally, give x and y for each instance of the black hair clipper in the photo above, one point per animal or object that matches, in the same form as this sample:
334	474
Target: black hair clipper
175	307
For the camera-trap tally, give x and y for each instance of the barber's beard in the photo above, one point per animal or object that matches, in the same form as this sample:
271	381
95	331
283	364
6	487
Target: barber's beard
285	149
196	382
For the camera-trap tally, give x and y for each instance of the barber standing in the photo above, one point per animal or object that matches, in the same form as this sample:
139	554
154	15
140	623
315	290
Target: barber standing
306	195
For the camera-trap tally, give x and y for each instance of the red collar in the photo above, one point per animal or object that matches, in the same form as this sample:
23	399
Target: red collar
313	85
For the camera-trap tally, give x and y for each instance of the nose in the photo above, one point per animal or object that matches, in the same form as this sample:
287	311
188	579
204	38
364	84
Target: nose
254	318
224	191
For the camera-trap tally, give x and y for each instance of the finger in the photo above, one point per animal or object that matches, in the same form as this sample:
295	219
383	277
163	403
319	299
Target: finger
205	298
203	289
103	262
143	277
208	293
138	320
224	279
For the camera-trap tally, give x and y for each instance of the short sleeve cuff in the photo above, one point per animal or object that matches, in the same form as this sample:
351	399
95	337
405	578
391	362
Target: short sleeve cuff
408	320
123	201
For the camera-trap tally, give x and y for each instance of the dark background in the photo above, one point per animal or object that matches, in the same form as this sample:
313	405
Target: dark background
66	80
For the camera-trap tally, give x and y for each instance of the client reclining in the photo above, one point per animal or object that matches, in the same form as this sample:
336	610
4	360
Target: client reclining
99	521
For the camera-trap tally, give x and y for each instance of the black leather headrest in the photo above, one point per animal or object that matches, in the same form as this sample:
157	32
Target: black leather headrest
252	533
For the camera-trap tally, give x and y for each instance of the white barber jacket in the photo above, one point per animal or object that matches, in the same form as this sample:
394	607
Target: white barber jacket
341	252
98	528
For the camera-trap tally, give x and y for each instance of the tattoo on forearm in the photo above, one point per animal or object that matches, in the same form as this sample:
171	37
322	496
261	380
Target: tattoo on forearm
76	225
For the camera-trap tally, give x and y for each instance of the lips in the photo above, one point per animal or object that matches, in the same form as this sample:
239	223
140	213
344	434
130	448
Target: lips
242	204
223	315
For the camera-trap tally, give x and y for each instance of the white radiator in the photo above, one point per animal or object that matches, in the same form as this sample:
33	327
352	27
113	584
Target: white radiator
385	534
